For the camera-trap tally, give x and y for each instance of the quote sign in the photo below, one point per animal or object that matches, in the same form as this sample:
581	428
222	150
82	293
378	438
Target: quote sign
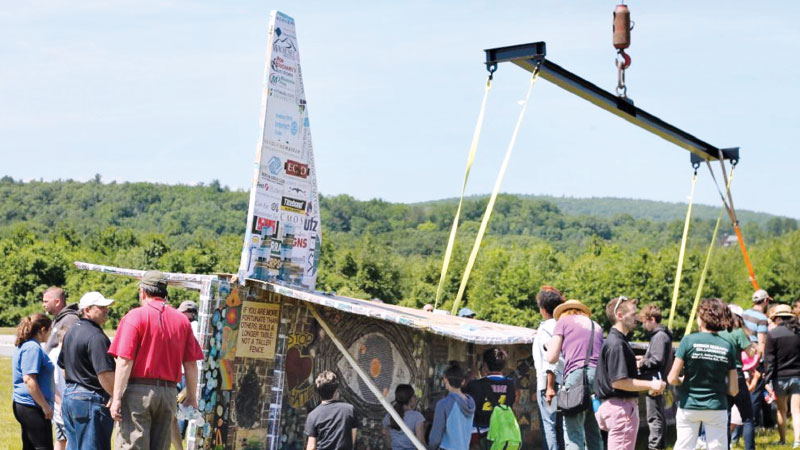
258	330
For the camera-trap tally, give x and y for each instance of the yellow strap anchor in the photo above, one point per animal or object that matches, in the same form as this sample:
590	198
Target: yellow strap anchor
488	213
448	253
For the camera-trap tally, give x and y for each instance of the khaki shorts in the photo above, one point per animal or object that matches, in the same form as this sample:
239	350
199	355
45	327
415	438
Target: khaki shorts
147	413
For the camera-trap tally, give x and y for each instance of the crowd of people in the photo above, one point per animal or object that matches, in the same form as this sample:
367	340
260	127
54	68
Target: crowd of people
71	383
589	382
721	373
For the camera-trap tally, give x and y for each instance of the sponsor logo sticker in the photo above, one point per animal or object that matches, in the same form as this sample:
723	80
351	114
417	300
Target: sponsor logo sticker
274	165
296	169
293	205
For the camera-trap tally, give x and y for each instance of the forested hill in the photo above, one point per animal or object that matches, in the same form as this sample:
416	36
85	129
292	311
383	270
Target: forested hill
647	209
181	209
591	249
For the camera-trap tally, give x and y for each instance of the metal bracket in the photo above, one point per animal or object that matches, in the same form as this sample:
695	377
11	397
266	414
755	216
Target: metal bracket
529	56
534	51
731	154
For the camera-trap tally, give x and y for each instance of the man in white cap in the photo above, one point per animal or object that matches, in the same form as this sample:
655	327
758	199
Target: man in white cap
755	320
89	376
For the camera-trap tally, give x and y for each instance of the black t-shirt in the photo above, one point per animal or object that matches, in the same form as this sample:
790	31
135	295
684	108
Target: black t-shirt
616	362
332	424
781	356
84	354
489	392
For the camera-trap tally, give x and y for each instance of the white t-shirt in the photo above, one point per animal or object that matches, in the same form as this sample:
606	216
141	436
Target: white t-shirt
60	384
543	335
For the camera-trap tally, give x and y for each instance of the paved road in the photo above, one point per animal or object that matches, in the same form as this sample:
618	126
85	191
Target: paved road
6	344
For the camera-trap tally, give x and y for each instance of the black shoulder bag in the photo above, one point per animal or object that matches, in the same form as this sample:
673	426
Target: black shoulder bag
576	399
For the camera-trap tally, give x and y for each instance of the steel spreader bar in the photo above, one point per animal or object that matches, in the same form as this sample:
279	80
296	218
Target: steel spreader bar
529	56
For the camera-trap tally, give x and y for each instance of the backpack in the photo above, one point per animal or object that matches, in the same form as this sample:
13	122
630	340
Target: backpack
504	429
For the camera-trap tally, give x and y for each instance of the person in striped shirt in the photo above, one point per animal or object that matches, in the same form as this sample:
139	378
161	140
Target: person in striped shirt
755	320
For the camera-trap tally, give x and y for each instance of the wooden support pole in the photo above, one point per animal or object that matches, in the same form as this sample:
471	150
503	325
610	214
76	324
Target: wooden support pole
366	379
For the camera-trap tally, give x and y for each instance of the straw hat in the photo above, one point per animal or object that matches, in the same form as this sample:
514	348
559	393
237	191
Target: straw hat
781	311
571	304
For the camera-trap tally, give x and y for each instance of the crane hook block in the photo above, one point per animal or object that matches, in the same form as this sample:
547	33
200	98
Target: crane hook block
622	27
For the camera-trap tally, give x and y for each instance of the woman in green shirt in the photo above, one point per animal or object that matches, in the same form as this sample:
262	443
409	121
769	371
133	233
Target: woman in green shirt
736	335
706	360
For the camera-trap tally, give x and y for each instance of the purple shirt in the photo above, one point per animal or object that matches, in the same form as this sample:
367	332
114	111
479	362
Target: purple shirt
576	330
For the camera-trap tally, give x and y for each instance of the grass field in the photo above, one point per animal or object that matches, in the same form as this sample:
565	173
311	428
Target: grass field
766	438
10	431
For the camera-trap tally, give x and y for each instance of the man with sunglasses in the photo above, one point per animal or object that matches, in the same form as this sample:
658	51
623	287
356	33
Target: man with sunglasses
616	382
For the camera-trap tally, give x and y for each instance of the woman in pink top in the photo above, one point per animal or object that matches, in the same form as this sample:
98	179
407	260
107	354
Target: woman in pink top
572	337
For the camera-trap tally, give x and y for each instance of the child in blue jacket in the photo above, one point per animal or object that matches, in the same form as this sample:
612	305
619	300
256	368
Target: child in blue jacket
452	418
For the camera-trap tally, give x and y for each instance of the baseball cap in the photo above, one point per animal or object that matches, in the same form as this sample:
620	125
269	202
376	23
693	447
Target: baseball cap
466	312
749	362
94	298
760	295
154	278
736	309
187	306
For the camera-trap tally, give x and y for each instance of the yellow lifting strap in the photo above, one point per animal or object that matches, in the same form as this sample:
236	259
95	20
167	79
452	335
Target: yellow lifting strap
488	213
448	253
682	254
703	274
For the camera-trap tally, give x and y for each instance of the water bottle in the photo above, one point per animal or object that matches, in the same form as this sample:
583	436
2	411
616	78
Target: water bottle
596	403
186	412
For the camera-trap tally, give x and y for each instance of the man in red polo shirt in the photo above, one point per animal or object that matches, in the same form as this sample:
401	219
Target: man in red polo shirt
152	342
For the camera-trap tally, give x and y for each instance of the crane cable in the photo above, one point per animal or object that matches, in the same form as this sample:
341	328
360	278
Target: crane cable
682	253
732	214
488	213
703	274
472	150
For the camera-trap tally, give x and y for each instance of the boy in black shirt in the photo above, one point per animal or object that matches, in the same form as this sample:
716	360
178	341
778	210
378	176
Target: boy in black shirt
333	424
492	390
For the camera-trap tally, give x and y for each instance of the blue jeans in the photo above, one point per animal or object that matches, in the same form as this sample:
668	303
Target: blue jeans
745	406
581	430
88	421
551	424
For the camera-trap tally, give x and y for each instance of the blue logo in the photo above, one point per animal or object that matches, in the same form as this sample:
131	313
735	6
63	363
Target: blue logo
274	165
305	122
294	128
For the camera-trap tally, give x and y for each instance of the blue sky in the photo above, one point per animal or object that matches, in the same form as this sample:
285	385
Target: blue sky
170	92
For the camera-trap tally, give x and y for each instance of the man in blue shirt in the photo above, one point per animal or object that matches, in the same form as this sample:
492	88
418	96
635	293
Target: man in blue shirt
756	322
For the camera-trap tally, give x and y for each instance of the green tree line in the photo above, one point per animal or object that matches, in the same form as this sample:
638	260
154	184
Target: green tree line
378	249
